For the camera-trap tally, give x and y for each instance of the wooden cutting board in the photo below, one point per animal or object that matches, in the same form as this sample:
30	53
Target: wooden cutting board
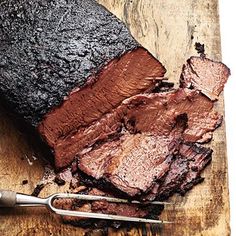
169	29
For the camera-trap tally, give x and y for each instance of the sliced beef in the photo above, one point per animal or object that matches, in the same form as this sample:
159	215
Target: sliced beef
205	75
145	145
157	112
145	113
202	119
66	64
123	162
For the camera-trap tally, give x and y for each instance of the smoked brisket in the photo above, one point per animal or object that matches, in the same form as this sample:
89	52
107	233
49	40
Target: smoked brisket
74	72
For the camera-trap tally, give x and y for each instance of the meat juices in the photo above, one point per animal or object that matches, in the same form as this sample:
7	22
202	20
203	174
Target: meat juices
75	73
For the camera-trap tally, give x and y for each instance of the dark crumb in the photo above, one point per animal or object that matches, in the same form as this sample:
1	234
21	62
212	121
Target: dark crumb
25	181
98	232
116	224
37	190
74	166
194	168
144	230
58	180
156	229
192	37
200	49
72	185
163	86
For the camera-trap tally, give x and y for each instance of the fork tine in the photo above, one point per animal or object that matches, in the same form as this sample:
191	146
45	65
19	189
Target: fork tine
106	216
109	199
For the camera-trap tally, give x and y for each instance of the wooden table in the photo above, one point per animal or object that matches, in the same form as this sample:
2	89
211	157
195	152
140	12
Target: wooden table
169	29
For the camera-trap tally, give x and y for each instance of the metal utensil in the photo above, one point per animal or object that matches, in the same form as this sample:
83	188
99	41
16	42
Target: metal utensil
13	199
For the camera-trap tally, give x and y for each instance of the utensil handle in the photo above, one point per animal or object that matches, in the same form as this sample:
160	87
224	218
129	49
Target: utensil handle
7	198
10	198
25	200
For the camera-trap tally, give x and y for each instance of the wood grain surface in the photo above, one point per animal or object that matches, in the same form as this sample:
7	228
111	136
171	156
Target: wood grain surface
168	29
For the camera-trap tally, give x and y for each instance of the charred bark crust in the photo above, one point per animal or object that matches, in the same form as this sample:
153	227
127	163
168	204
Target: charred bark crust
49	48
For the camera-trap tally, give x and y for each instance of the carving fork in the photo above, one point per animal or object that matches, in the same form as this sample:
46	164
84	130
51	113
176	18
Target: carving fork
13	199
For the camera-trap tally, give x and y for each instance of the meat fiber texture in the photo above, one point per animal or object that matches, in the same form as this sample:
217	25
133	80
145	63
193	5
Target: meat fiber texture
74	72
